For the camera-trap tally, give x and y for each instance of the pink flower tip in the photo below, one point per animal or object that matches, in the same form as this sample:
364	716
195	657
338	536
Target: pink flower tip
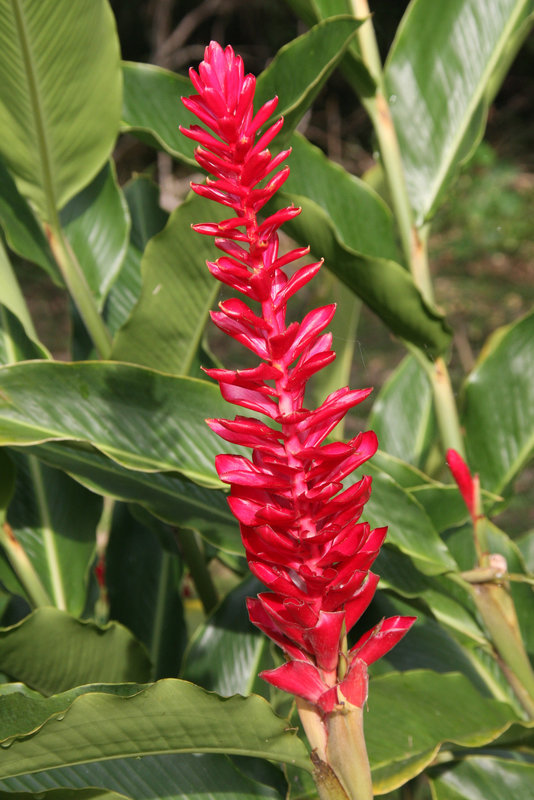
467	484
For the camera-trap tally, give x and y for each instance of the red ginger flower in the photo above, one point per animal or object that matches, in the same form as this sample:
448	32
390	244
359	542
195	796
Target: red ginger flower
299	525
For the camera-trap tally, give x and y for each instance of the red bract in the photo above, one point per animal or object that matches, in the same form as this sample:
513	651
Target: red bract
299	521
467	484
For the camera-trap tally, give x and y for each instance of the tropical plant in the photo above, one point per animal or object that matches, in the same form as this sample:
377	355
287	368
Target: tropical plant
129	666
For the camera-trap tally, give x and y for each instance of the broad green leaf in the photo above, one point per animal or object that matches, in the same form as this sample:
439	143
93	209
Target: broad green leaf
59	97
172	777
147	219
359	217
15	344
7	484
300	68
165	328
343	328
52	651
140	418
406	475
97	223
526	546
428	645
22	231
9	578
169	496
59	541
409	528
499	406
152	107
64	794
484	778
403	415
168	717
445	600
143	581
522	593
385	286
13	300
438	75
24	710
352	66
443	503
152	104
227	652
419	711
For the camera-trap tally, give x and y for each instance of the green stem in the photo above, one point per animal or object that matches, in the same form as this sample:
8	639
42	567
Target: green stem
497	609
446	410
48	537
78	287
339	755
414	241
12	296
379	111
192	551
347	753
23	568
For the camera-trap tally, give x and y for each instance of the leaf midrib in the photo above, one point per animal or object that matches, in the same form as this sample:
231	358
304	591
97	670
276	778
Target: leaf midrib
476	98
38	113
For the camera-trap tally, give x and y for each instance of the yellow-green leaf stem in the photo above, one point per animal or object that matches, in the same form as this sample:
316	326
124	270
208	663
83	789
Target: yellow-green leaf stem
79	289
23	568
414	240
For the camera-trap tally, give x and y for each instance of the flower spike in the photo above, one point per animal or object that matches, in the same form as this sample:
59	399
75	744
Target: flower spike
299	522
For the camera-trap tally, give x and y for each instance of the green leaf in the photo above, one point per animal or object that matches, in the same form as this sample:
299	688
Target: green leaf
484	778
52	651
140	418
438	74
227	650
14	301
15	344
96	223
143	582
419	710
152	104
147	219
352	66
359	217
526	546
499	406
64	794
60	95
169	496
403	415
46	521
299	70
522	593
173	777
168	717
443	503
343	328
409	528
152	107
24	710
385	286
22	231
178	291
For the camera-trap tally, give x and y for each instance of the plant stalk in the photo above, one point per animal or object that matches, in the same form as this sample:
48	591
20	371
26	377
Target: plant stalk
339	755
23	568
413	240
192	551
79	289
497	609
